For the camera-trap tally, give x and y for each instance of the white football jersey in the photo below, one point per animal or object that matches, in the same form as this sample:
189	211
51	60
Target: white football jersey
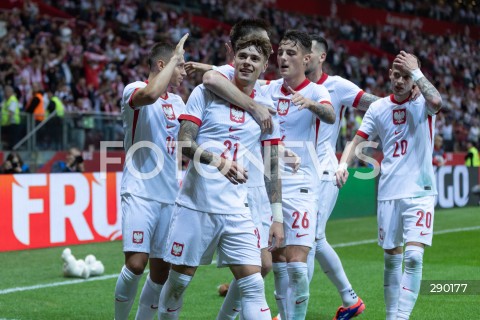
256	168
153	129
406	131
298	129
343	93
226	130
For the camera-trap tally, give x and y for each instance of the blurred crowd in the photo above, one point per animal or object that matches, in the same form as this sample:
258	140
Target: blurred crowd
86	61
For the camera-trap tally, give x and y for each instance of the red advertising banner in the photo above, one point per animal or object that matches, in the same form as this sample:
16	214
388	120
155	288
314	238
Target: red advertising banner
48	210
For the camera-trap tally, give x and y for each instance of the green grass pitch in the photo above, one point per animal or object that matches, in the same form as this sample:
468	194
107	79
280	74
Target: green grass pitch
453	256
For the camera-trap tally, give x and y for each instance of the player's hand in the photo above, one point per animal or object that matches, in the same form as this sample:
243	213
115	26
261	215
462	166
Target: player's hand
405	62
275	236
263	116
295	164
341	176
415	93
193	67
300	100
234	172
179	50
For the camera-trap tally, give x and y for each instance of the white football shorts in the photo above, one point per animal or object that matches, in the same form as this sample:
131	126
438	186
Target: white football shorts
261	212
300	220
328	194
405	220
195	235
145	224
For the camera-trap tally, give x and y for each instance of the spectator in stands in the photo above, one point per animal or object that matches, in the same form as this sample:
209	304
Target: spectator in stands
14	164
10	117
472	159
73	162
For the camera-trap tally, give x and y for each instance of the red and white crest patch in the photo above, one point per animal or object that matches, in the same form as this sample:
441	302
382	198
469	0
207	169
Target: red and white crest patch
399	116
168	110
177	249
137	237
236	114
283	106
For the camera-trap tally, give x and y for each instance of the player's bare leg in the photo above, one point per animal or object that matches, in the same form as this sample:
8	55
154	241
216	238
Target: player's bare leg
171	297
148	304
127	283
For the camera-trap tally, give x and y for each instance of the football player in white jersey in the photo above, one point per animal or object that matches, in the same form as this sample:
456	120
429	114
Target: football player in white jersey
149	183
343	94
407	188
212	211
300	103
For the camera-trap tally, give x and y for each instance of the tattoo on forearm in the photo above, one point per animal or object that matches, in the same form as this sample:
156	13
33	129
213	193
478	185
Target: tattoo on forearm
366	100
428	90
188	134
274	184
324	112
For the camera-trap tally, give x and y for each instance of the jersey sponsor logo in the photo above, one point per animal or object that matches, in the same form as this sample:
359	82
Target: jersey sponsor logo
236	114
301	235
399	116
424	233
232	129
168	110
177	249
283	106
137	237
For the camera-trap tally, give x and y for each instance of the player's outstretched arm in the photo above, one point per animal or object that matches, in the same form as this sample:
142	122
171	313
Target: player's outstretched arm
193	67
273	184
324	111
230	169
347	160
159	83
222	87
408	62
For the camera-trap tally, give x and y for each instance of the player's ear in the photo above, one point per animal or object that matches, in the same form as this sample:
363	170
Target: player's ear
306	58
265	66
160	64
323	56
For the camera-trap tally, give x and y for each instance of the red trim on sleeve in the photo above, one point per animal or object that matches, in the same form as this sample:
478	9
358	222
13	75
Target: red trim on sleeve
268	81
341	114
272	142
131	98
191	118
325	101
134	125
362	134
430	126
357	98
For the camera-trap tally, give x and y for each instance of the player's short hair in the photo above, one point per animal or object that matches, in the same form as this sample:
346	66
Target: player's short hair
247	26
300	38
261	44
160	51
418	60
320	40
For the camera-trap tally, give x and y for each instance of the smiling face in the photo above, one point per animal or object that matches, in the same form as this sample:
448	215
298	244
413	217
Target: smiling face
401	82
292	60
249	64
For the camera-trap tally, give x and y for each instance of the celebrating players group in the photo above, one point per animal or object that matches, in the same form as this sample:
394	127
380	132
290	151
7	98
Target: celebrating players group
263	177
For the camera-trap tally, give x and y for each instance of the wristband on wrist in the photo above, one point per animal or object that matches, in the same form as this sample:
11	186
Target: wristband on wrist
277	213
342	166
417	74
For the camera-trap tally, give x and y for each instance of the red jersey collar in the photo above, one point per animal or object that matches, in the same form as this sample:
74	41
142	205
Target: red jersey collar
392	98
302	85
322	78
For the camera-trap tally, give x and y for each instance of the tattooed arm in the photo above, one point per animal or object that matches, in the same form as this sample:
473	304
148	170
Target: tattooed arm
187	137
366	100
324	111
409	62
273	184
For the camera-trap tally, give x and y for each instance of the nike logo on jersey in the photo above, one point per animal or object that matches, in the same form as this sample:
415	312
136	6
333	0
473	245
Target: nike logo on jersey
424	234
301	301
169	126
397	132
231	129
301	235
172	310
263	310
407	289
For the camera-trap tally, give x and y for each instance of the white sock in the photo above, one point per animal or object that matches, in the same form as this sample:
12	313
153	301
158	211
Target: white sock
298	290
125	292
252	292
311	262
392	274
332	267
171	297
280	274
148	305
232	304
411	280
